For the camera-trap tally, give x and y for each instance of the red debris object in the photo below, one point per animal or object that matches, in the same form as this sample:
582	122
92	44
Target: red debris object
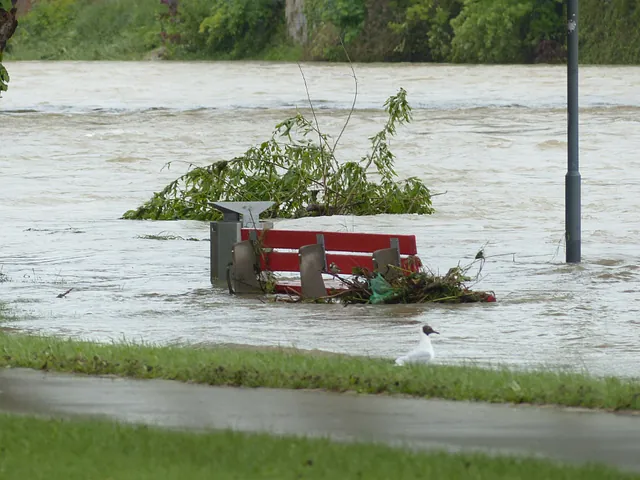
345	250
351	254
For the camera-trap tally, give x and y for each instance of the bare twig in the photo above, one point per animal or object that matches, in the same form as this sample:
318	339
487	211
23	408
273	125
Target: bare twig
62	295
313	111
355	97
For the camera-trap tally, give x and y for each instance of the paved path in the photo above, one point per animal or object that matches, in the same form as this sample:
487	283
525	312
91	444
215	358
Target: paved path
564	435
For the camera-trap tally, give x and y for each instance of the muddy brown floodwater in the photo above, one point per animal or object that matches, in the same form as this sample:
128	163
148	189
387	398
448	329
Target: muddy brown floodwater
84	142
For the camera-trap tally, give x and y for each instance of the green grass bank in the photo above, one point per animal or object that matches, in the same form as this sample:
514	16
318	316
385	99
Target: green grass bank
461	31
48	449
287	368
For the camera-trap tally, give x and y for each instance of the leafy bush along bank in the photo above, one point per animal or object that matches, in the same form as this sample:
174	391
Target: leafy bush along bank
8	25
468	31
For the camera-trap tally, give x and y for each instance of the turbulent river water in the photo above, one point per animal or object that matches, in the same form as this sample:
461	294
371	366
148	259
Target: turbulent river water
81	143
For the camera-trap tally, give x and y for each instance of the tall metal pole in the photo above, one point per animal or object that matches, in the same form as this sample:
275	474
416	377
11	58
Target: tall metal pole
572	179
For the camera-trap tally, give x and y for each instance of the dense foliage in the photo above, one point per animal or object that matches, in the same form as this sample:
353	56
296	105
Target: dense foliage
227	29
8	25
4	77
298	170
87	30
470	31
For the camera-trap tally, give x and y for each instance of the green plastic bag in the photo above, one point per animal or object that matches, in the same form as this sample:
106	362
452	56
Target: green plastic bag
381	290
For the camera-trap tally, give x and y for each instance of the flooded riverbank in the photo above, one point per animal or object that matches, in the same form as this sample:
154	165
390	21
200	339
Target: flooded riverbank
84	142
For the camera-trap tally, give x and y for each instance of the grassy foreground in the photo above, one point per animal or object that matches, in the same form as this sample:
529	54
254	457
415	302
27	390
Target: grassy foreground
37	448
285	368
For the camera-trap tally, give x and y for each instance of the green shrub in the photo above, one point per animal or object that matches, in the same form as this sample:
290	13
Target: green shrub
609	32
87	30
333	22
505	31
47	29
426	29
490	32
242	28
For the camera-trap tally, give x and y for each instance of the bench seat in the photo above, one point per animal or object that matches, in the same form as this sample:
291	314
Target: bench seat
314	253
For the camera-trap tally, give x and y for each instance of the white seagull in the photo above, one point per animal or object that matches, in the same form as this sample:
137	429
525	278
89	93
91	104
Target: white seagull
423	353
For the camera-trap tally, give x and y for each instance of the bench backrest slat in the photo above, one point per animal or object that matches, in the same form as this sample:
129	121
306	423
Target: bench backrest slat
288	262
335	241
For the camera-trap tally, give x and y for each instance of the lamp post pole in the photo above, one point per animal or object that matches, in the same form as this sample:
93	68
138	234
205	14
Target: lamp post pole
572	178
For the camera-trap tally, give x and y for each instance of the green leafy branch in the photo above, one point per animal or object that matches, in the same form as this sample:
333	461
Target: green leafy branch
4	77
8	25
301	175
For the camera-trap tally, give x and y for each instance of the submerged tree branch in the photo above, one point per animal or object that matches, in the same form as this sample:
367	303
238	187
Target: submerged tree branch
300	177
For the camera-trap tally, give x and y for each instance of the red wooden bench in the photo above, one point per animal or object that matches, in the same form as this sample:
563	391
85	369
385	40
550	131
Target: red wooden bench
313	254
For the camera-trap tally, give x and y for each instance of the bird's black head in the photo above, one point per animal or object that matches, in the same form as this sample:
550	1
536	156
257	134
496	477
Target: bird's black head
427	330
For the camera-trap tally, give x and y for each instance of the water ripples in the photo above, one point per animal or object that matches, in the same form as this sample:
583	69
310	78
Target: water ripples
492	138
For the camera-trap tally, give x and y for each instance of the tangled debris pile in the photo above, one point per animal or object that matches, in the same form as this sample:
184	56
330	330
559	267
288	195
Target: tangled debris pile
400	287
412	287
